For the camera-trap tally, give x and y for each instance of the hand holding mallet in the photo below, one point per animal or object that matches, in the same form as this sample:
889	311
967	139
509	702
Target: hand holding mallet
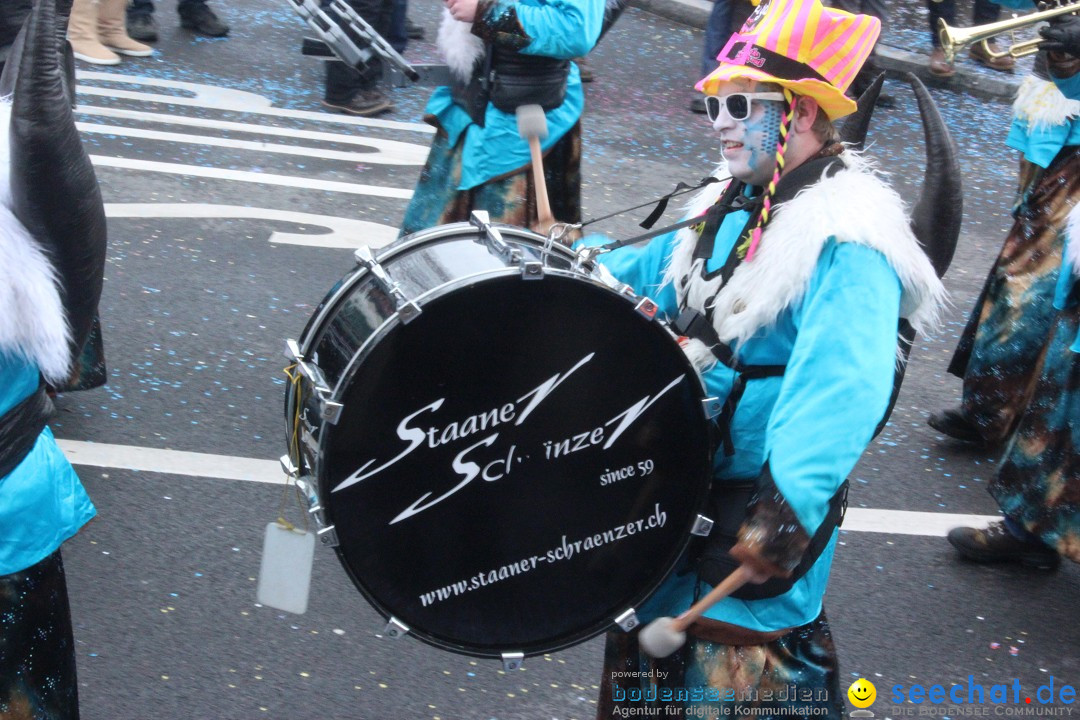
665	635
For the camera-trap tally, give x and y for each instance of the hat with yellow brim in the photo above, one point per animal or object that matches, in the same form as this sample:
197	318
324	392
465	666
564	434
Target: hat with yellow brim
801	45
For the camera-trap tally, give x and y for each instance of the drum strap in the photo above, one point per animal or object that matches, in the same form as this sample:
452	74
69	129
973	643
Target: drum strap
693	324
20	427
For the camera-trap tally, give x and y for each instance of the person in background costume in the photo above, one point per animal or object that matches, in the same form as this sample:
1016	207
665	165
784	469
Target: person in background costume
788	295
1038	484
1001	349
504	54
52	259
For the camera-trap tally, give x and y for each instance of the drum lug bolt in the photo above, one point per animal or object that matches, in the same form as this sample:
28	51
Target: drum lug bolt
330	410
647	308
328	536
702	526
396	629
512	661
628	620
532	270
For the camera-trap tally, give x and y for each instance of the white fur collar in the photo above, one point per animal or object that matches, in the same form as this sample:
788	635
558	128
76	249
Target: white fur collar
854	205
459	47
32	321
1042	104
1072	245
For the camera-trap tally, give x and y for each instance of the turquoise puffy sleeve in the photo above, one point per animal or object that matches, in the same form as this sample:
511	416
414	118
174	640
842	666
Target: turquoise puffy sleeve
832	396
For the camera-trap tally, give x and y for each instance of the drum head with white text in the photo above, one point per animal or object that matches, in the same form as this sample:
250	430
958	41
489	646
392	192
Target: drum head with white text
516	466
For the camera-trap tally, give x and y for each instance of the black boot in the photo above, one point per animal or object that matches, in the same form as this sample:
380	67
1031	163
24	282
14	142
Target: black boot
954	423
997	544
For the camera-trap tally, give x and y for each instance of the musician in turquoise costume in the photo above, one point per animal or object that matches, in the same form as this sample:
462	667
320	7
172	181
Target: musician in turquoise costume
1002	347
1038	483
503	54
52	258
788	296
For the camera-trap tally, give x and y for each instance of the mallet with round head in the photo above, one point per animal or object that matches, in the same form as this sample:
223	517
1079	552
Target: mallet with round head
532	125
665	635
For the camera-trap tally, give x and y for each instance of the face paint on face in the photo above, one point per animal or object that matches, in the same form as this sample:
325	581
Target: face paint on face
749	146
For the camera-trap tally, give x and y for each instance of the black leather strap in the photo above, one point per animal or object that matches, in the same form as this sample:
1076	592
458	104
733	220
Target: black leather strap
20	427
728	504
693	324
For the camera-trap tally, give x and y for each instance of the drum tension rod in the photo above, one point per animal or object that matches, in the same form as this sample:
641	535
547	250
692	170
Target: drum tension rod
407	309
329	409
494	240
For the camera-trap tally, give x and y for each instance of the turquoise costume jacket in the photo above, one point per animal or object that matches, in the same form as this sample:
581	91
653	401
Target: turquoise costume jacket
562	29
837	337
42	502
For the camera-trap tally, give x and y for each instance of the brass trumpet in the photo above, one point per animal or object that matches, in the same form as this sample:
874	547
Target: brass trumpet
954	39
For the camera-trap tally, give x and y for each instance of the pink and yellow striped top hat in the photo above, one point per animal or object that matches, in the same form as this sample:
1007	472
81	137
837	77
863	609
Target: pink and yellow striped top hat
801	45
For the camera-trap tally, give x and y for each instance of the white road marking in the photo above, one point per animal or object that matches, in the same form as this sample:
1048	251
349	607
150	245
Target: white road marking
344	233
251	177
372	158
209	96
228	467
389	151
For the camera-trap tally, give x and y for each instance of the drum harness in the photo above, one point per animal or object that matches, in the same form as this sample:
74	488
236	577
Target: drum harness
20	427
729	502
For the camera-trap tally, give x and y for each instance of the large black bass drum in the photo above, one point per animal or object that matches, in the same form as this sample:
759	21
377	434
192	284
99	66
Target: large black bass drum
506	448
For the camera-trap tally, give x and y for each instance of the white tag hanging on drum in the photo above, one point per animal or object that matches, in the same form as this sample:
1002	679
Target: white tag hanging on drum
285	572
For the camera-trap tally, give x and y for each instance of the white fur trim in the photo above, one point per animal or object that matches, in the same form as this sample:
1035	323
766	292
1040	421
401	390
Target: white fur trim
854	205
1042	104
458	46
32	321
1072	245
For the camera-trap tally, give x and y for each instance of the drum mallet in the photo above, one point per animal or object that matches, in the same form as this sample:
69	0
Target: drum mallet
665	635
532	125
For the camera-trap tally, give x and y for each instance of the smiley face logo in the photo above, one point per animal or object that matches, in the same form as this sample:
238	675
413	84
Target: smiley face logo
862	693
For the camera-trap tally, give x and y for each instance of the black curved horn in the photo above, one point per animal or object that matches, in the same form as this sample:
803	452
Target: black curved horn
853	131
937	215
54	190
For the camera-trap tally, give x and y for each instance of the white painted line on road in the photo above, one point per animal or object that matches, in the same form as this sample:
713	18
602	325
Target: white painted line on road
209	96
909	522
227	467
404	153
344	233
251	177
372	158
172	462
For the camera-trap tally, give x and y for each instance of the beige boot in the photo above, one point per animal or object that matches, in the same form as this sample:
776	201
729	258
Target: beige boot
112	30
83	34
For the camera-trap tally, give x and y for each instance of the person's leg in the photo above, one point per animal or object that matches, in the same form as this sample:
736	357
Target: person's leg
349	92
353	92
399	34
196	15
112	31
37	650
984	12
717	33
140	21
938	11
83	35
140	7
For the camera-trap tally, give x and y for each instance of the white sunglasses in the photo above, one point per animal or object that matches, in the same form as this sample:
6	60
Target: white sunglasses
737	104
